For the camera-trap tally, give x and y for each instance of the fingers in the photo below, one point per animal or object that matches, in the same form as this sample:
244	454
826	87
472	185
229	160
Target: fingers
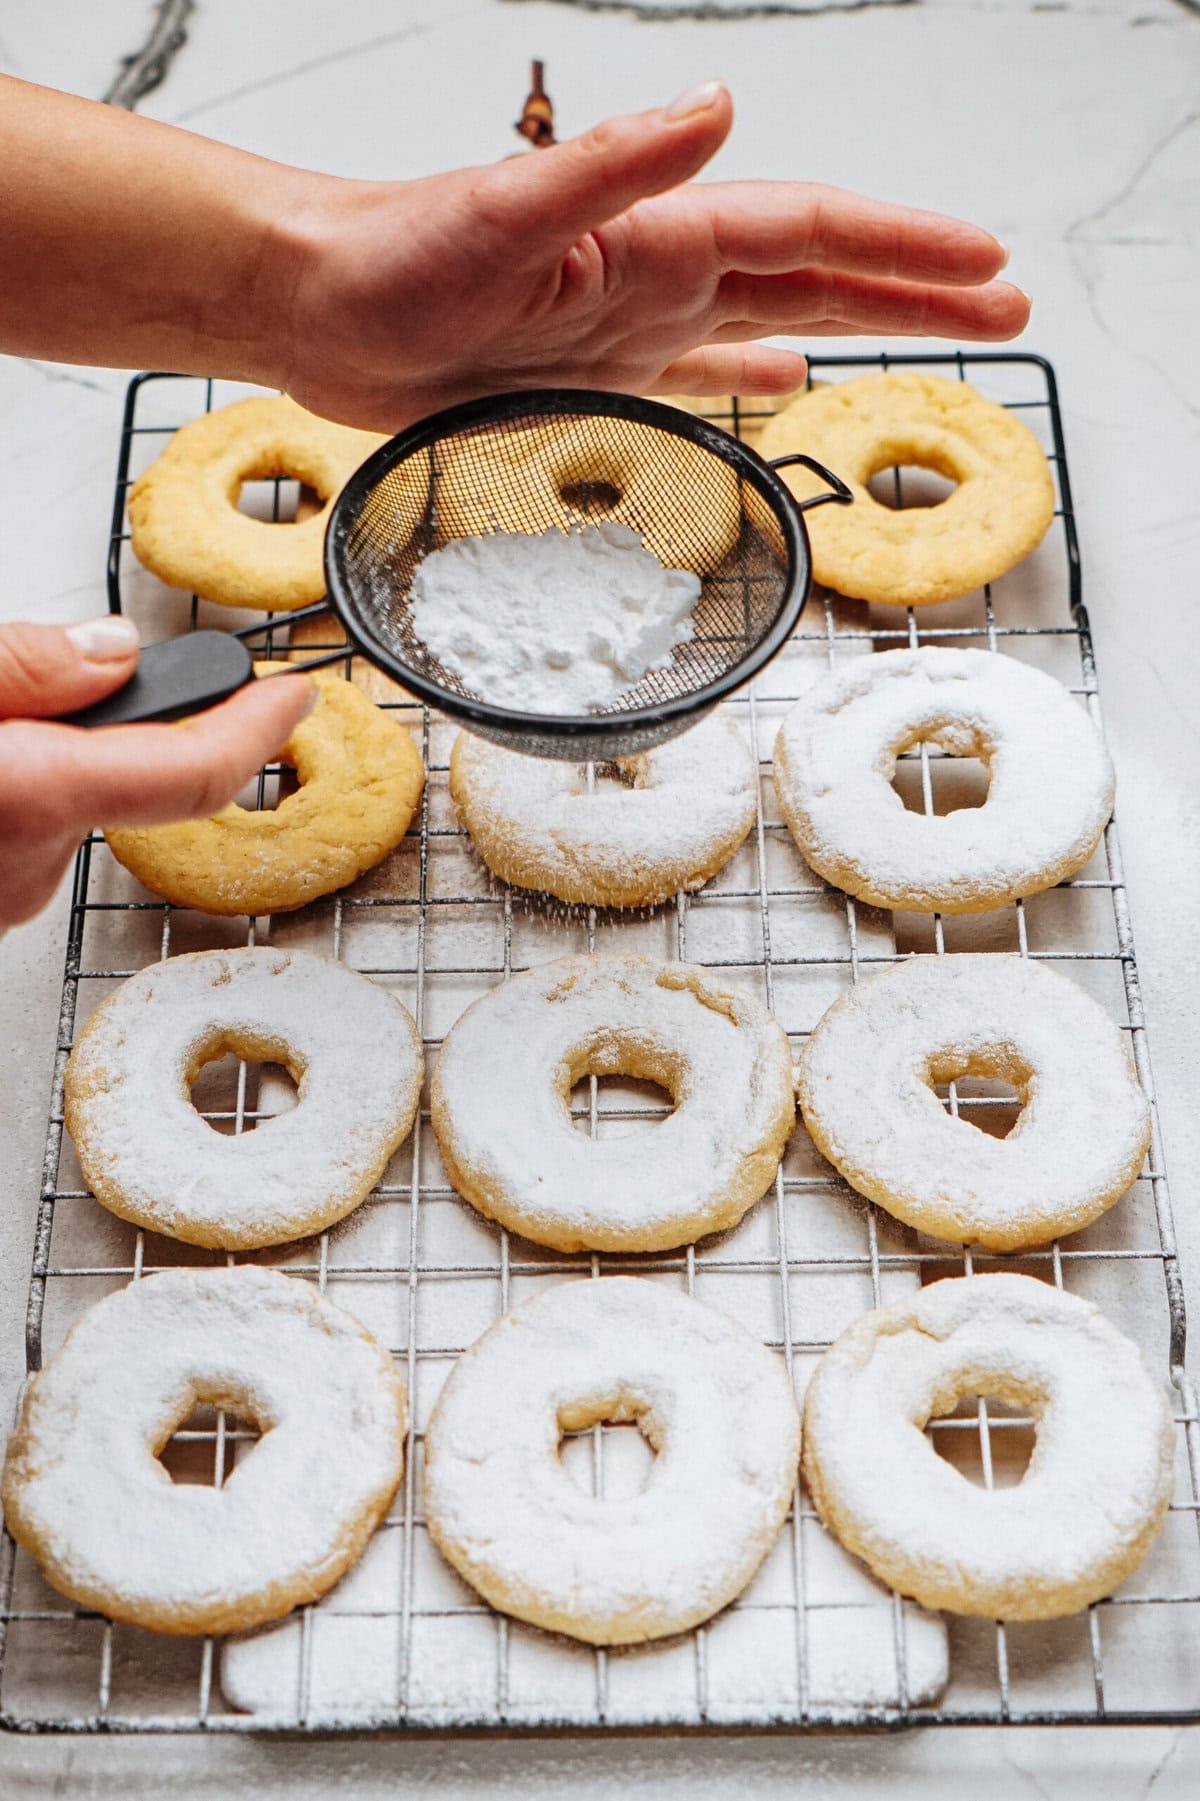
729	369
539	205
767	228
46	670
65	779
198	764
58	781
820	301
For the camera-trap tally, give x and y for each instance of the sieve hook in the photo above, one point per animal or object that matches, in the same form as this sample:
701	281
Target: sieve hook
839	492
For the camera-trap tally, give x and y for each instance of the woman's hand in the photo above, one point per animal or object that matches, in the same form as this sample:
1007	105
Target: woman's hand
590	265
59	781
597	263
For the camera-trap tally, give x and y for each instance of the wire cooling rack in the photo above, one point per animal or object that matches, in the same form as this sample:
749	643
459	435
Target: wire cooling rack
401	1643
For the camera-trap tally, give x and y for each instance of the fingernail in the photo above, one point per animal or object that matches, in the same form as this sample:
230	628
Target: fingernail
108	639
695	100
311	699
1027	298
1003	247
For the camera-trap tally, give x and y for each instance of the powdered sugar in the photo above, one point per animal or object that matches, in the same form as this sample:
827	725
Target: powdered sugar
552	623
713	1402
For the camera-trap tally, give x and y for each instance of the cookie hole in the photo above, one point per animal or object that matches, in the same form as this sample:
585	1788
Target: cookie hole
270	502
269	789
1010	1438
278	500
991	1085
269	1089
991	1105
624	1105
955	783
205	1447
615	1461
590	498
608	776
910	485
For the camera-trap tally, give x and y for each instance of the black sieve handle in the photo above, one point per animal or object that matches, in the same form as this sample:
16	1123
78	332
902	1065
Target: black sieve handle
839	493
180	676
173	678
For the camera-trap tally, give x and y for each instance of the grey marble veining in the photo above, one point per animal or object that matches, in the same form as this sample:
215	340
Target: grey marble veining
146	68
705	11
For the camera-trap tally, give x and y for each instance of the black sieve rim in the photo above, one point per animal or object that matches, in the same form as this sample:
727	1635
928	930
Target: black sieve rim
495	720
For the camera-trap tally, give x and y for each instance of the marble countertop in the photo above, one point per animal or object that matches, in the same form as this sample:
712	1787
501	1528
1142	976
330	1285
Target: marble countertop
1072	130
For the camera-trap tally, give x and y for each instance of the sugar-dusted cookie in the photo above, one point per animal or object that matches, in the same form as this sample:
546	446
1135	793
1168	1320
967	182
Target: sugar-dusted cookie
501	1103
148	1156
865	1082
713	1402
1050	781
681	812
85	1493
1097	1486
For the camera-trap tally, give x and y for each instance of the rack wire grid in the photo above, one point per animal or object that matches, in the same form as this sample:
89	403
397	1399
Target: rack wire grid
401	1643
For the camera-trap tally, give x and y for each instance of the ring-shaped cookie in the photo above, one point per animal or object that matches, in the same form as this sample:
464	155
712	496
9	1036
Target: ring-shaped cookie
183	511
86	1496
684	502
715	1405
865	1082
501	1095
148	1156
1097	1485
918	555
1050	786
361	777
687	807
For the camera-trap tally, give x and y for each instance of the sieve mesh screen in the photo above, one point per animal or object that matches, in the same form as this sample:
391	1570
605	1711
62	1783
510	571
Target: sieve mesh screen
699	499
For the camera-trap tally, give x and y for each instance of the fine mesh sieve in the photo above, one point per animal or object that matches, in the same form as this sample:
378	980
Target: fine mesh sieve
561	458
526	462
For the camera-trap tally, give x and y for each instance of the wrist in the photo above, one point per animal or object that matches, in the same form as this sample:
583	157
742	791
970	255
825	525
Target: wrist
252	331
328	324
179	235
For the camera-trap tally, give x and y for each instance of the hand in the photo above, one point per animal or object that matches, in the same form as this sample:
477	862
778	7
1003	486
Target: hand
596	263
590	265
59	781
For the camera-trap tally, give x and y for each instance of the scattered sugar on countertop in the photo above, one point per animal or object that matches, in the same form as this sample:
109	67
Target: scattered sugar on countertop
553	623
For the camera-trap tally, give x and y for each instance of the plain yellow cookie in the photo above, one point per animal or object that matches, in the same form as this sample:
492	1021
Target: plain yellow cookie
360	782
684	502
183	512
915	556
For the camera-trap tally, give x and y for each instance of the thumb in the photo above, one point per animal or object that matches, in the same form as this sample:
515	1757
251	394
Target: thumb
46	670
549	199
